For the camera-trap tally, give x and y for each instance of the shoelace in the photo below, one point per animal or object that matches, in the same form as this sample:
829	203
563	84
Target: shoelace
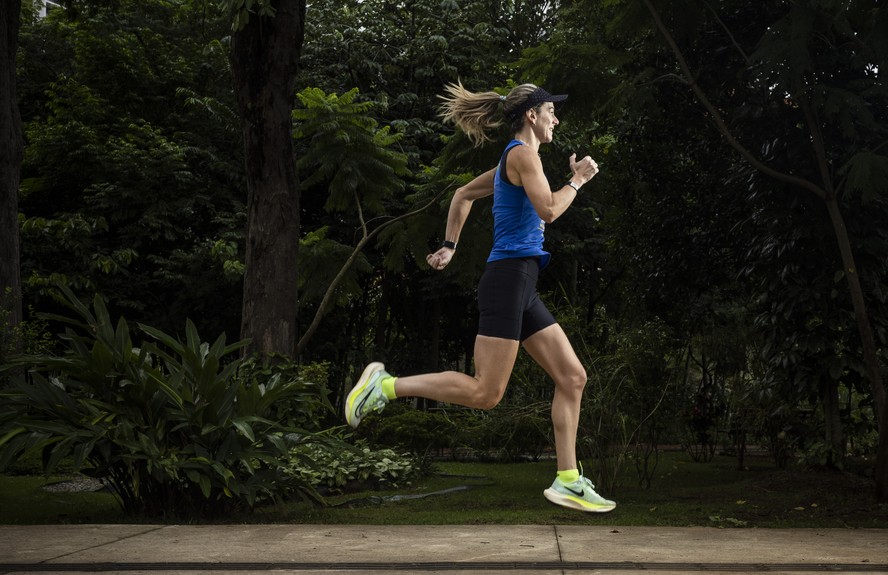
583	477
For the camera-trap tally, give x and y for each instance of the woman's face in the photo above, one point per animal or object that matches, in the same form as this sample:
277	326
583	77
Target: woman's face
546	122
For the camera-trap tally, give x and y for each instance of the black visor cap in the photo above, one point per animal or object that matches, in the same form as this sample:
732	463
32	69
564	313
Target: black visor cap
537	97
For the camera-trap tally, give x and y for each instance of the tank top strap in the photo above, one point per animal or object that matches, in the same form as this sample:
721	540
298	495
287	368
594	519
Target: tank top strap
504	176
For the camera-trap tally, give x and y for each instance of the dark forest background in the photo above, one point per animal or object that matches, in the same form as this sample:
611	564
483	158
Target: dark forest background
723	277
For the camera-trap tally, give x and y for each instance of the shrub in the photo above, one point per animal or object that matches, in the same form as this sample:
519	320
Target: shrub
31	335
336	469
508	433
413	429
400	425
310	413
175	428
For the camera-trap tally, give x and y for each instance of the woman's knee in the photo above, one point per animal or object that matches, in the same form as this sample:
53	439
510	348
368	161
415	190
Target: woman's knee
489	394
488	402
573	381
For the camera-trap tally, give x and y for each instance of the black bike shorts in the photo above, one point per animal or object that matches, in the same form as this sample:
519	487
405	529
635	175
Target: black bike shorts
508	302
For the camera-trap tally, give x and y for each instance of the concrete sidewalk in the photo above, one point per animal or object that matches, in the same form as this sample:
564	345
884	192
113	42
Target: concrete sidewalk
487	549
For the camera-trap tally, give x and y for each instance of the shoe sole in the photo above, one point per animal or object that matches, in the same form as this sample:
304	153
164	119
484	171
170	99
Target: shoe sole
576	502
350	416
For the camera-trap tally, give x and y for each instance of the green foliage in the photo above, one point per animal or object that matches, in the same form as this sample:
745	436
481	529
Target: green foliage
818	455
631	401
128	179
354	164
866	174
348	468
348	152
320	260
240	11
174	427
30	336
509	433
133	186
419	431
416	48
308	409
512	432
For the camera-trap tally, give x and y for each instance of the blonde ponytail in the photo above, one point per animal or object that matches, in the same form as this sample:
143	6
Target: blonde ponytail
476	113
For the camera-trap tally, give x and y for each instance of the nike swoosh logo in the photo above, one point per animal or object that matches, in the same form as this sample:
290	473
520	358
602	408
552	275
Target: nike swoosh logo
577	493
361	404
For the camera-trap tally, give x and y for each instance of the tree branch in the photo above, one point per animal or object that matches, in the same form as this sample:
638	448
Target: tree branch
365	239
361	215
728	32
719	122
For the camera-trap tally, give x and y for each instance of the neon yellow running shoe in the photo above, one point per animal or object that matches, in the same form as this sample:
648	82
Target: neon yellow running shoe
579	494
366	396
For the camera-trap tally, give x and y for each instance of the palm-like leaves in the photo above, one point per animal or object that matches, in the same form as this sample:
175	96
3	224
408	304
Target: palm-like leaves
171	425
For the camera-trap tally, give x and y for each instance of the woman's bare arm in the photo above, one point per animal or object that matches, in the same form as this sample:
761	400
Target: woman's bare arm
526	170
460	206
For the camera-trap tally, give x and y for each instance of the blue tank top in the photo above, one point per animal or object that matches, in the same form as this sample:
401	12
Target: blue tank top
517	228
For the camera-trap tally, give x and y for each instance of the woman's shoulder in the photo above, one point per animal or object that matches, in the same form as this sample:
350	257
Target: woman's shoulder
523	154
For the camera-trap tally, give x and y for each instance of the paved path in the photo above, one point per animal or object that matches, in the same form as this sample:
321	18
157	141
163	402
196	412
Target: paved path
403	550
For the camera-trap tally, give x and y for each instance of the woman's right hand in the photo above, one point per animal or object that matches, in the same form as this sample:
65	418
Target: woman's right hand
585	168
440	259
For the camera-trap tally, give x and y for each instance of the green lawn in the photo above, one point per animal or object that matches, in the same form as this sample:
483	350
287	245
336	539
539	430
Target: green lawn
683	493
24	501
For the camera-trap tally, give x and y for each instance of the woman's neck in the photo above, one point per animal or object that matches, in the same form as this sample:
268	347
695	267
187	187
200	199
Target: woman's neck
528	138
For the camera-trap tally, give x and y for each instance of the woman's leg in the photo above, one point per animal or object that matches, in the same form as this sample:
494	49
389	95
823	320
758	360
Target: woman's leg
494	360
551	349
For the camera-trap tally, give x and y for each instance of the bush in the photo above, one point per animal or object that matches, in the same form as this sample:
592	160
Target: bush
175	428
416	430
342	469
29	336
413	429
310	413
507	433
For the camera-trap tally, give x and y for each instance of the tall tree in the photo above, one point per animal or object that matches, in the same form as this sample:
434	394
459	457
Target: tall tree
131	181
399	55
265	49
795	88
791	56
10	161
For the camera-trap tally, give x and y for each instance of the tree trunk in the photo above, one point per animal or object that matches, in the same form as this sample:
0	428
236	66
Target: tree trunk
833	436
264	57
870	356
882	458
868	345
10	168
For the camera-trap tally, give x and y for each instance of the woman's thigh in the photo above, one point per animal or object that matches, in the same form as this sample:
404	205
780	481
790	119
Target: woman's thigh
552	350
494	361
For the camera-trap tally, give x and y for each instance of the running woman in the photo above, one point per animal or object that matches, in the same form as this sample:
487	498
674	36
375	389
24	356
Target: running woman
511	311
